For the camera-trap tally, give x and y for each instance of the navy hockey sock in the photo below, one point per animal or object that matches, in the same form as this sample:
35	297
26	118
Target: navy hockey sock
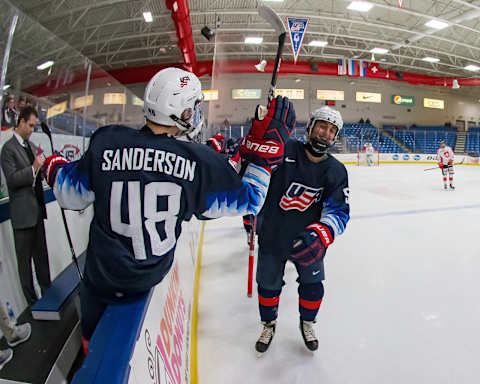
268	303
310	299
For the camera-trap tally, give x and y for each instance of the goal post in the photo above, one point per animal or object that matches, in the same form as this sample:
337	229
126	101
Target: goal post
365	158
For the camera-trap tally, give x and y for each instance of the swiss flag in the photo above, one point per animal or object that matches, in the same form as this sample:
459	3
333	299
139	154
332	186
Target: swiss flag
373	70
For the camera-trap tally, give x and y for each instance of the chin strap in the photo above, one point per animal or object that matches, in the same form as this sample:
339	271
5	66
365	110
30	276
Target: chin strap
316	148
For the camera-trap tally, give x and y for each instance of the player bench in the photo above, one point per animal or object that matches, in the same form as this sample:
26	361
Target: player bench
63	288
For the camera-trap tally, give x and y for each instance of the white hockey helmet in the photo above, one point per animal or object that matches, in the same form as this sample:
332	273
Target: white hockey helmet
325	114
172	98
330	115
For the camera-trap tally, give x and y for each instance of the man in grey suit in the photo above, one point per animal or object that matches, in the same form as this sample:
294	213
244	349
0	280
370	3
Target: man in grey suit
24	176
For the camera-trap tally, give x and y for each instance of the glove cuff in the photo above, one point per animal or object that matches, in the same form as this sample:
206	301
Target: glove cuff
323	232
53	168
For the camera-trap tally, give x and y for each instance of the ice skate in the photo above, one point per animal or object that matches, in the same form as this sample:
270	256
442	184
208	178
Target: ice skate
265	338
452	187
308	334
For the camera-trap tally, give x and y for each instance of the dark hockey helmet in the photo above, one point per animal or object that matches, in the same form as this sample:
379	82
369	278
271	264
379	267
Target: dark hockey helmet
320	147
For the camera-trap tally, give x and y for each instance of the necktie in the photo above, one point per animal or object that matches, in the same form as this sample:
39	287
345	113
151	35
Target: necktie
28	150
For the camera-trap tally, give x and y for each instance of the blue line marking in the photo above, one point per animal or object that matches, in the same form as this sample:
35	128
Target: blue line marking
414	212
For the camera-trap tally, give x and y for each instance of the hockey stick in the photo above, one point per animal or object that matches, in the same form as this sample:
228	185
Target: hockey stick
459	163
46	130
269	15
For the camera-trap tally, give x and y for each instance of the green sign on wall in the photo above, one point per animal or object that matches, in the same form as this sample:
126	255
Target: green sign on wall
405	100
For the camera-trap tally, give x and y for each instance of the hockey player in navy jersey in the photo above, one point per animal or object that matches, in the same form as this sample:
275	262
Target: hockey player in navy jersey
144	183
305	210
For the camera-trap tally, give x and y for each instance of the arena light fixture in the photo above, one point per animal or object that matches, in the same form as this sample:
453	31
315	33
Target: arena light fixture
6	86
360	6
436	24
380	51
472	68
45	65
253	40
260	67
148	16
431	59
317	43
207	33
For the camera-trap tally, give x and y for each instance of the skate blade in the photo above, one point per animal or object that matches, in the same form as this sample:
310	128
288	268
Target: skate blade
258	355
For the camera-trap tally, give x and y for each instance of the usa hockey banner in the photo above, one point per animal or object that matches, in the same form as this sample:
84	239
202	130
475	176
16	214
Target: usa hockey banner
342	67
297	28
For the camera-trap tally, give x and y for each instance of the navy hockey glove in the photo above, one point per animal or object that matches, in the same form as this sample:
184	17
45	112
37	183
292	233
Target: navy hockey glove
265	142
311	245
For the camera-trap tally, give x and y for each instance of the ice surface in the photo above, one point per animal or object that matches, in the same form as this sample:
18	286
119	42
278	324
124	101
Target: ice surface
401	292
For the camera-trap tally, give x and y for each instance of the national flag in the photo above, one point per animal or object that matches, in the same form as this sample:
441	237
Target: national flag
363	68
352	67
342	67
373	70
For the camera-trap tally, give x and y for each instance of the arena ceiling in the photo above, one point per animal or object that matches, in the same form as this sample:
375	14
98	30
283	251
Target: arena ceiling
113	33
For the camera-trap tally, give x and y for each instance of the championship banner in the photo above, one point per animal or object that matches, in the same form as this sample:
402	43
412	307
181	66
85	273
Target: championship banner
297	28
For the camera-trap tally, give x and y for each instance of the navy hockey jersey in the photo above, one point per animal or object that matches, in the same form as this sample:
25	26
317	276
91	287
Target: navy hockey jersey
302	192
142	187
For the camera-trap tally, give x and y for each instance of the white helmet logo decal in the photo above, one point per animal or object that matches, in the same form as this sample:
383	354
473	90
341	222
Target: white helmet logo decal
184	81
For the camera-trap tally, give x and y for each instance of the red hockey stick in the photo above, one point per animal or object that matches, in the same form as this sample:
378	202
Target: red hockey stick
268	14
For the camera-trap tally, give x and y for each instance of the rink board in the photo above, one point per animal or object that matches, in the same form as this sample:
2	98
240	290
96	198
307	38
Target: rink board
151	340
407	158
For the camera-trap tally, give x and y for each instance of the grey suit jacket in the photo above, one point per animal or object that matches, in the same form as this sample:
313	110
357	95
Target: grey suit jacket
24	206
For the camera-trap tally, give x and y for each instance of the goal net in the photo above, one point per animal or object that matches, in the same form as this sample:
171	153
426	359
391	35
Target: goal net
368	158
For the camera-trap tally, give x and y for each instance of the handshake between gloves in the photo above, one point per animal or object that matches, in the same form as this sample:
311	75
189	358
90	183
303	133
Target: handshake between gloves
264	144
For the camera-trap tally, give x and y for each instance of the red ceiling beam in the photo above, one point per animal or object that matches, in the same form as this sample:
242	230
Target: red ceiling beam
181	18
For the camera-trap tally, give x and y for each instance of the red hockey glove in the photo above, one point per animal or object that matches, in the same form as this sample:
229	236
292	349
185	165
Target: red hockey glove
52	165
311	245
450	162
265	142
440	165
217	142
